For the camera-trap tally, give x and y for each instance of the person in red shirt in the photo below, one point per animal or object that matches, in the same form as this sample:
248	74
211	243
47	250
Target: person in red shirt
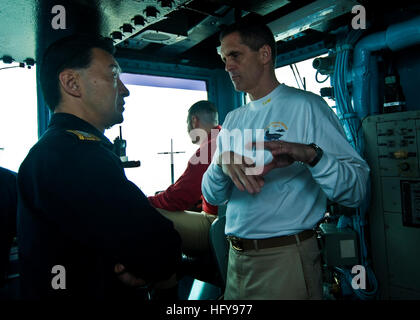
176	201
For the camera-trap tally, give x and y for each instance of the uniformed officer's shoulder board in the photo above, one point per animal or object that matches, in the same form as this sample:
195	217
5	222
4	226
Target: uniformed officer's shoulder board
81	135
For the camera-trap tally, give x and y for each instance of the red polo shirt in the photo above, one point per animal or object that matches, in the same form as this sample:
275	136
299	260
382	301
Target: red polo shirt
186	191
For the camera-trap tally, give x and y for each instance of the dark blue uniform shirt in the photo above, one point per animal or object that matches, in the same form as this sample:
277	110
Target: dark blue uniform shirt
77	209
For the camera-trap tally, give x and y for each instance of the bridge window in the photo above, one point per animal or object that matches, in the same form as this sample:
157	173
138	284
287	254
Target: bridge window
295	78
18	114
156	112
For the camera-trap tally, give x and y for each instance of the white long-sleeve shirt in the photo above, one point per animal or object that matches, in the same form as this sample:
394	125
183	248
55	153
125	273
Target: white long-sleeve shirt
293	198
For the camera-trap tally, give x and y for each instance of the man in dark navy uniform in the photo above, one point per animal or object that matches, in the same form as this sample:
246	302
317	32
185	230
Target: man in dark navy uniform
84	230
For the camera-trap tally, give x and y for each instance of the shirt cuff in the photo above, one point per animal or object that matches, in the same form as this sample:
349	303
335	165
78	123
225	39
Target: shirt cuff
324	163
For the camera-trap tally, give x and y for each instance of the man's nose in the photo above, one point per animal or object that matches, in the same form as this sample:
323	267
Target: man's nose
123	90
228	65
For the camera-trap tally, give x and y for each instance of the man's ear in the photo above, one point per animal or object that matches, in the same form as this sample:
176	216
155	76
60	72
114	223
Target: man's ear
70	82
194	122
265	53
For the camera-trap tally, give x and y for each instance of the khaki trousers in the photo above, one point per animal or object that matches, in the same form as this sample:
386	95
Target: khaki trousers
193	227
291	272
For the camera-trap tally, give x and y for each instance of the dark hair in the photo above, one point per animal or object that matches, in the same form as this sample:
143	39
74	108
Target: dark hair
253	35
206	112
70	52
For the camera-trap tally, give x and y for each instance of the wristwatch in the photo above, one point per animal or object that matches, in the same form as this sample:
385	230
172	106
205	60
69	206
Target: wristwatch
318	156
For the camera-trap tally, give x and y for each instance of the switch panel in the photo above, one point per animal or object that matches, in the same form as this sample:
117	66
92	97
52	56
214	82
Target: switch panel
397	148
392	148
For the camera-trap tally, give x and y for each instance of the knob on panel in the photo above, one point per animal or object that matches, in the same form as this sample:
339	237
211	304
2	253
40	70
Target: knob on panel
404	166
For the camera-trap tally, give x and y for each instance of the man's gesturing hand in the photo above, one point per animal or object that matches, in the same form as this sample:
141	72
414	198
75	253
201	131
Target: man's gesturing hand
285	153
240	169
235	166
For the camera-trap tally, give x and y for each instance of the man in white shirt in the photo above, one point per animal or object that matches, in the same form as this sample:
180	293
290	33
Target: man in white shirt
273	207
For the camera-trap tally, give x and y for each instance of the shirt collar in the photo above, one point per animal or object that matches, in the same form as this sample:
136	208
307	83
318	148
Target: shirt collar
67	121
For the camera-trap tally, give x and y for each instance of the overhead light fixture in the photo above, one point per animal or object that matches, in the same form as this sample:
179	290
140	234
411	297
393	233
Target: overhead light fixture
160	37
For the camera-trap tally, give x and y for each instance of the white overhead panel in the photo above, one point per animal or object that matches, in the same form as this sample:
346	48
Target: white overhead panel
309	17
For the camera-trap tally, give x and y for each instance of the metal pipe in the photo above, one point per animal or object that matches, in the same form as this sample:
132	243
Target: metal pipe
365	69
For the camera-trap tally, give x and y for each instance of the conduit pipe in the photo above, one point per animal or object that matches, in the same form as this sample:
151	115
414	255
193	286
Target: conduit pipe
365	67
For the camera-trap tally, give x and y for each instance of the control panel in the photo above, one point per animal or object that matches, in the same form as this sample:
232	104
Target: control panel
397	148
392	145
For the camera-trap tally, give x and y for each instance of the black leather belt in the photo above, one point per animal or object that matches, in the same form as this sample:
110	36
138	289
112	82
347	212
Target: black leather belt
240	244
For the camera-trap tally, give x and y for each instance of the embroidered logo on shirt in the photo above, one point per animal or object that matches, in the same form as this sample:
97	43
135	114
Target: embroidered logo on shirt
267	101
84	135
274	131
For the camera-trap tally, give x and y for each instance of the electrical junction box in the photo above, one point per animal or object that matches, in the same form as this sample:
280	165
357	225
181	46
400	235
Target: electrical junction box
339	246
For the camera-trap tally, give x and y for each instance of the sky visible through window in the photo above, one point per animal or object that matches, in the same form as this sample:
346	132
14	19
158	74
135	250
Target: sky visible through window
18	114
152	117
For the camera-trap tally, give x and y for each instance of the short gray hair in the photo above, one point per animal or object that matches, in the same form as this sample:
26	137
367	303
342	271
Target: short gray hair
205	111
